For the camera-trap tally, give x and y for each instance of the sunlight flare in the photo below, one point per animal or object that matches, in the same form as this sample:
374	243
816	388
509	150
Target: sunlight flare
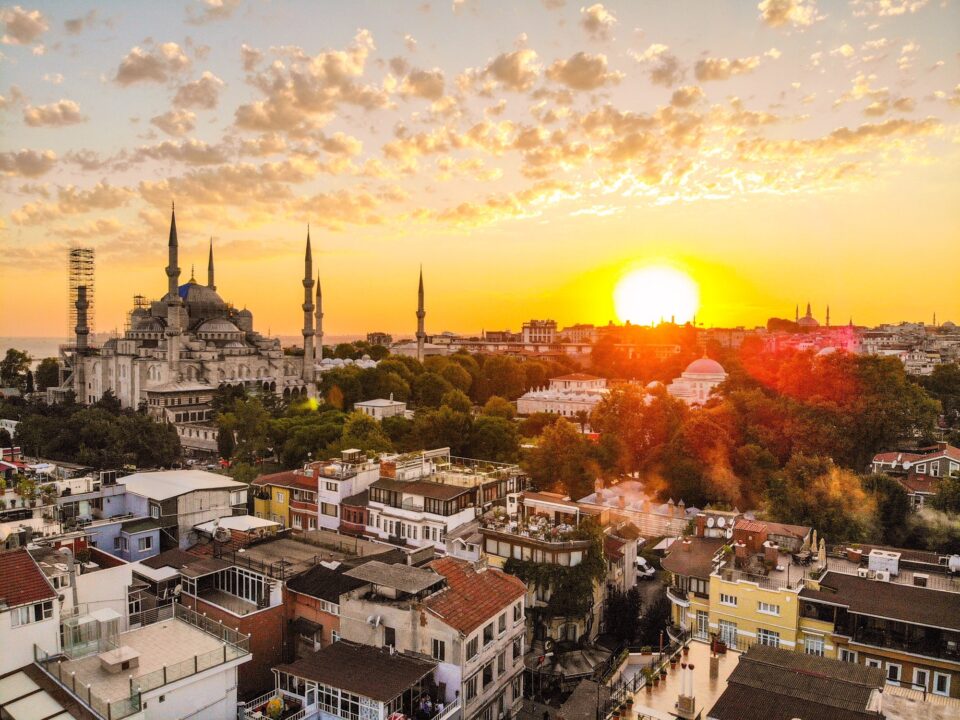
657	292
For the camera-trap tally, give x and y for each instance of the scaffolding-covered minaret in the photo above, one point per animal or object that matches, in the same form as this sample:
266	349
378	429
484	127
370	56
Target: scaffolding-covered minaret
80	266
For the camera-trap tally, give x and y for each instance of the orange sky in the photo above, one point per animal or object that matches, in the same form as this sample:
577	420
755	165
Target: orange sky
527	155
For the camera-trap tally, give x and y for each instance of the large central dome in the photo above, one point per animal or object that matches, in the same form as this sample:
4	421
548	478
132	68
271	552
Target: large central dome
202	302
705	366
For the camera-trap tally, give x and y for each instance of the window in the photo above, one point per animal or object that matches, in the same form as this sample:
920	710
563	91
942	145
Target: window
941	683
768	637
730	600
728	632
123	544
813	646
517	648
502	624
133	607
921	678
145	543
334	636
331	486
768	608
873	662
329	607
311	523
116	543
487	674
60	581
502	663
297	521
328	509
518	611
155	511
472	648
471	688
893	672
389	636
31	613
439	650
278	496
848	655
488	635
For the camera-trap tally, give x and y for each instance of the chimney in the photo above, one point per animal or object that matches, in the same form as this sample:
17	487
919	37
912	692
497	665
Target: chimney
388	469
771	552
686	703
686	544
740	551
701	524
622	501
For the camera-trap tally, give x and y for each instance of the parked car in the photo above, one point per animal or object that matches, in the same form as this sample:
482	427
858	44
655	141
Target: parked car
645	571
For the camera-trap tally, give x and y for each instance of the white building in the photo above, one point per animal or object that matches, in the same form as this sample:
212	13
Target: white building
381	408
567	395
539	331
698	381
29	610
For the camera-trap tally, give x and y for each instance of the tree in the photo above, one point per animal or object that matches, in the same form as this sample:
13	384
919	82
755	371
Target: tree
623	614
496	406
13	369
249	422
400	431
893	507
457	400
561	461
47	374
494	438
947	498
362	432
429	388
29	383
534	425
302	434
654	622
499	375
943	384
457	376
5	439
444	427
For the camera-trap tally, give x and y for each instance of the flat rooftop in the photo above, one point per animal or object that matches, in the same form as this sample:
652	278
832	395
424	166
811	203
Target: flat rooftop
161	644
399	577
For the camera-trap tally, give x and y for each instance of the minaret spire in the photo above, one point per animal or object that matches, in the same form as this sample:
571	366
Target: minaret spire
421	313
308	333
210	283
809	312
828	316
173	271
172	331
319	320
796	314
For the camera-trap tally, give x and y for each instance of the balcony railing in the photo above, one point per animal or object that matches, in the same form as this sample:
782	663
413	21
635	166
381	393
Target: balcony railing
677	596
933	647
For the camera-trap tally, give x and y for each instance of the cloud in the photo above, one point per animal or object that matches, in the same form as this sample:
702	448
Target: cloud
410	42
597	21
335	210
300	96
799	13
427	84
75	26
886	8
723	68
553	4
72	200
191	152
22	27
517	70
525	203
203	93
211	10
263	145
158	65
583	72
175	122
27	163
58	114
686	96
664	66
846	50
52	78
250	57
91	229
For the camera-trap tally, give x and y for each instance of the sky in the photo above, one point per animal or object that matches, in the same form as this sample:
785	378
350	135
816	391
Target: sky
529	155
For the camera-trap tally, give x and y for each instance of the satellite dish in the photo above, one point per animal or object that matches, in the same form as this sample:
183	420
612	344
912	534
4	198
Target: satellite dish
729	533
721	521
710	522
221	535
907	464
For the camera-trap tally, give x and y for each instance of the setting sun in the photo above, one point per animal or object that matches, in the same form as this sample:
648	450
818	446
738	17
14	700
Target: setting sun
656	293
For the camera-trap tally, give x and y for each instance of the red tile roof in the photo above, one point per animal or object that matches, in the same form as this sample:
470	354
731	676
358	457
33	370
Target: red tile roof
21	580
472	597
612	547
915	483
289	478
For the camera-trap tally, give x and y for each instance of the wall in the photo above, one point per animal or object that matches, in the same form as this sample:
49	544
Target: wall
17	642
211	696
306	606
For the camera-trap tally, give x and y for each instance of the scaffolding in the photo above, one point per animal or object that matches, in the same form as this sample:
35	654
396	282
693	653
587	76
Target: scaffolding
79	273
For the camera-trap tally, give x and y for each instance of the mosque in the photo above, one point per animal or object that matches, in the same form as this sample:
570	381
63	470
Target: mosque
698	381
177	350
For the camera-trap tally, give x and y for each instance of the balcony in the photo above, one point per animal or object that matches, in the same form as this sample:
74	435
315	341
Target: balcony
907	638
677	596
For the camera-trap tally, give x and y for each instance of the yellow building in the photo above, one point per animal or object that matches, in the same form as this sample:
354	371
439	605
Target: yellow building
271	499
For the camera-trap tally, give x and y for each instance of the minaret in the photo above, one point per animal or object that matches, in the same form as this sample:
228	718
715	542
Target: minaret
308	369
828	316
796	314
319	321
173	299
421	313
809	312
82	331
210	283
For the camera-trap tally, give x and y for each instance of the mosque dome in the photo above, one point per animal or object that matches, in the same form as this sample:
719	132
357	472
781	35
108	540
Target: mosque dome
654	385
827	351
949	325
217	325
202	301
705	366
245	313
148	324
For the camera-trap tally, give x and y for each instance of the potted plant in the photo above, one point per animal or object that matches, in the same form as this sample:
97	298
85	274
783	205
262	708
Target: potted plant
673	662
646	650
274	707
686	650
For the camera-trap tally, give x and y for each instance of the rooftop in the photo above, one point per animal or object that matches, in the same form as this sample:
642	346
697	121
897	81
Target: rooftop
22	581
329	583
422	488
472	596
372	672
167	484
697	560
404	578
240	523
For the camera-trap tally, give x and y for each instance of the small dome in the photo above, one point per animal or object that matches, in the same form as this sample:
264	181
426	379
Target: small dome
217	325
826	351
245	313
949	325
149	324
705	366
655	384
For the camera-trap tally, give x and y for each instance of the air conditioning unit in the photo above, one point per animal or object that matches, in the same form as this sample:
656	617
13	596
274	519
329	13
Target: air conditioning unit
920	580
882	575
863	572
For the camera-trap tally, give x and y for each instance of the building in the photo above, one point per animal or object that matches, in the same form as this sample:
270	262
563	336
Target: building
29	610
469	620
539	332
177	665
919	472
381	408
808	323
420	497
190	335
772	684
181	499
346	681
379	338
698	381
187	406
573	396
629	501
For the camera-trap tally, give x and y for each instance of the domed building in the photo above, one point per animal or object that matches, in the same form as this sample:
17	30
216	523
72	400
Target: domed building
179	349
697	382
808	322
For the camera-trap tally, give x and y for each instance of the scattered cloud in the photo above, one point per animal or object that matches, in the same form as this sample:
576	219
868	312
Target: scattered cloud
664	67
410	43
202	94
22	27
796	13
58	114
152	65
210	11
686	96
27	163
250	57
709	69
597	21
75	26
886	8
52	78
427	84
583	71
517	70
175	122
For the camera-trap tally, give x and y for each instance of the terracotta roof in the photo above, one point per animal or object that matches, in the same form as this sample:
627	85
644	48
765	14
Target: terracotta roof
288	478
22	581
891	600
695	562
915	483
361	669
612	547
472	597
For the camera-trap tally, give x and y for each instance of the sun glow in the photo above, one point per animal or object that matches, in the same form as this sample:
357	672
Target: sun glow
654	293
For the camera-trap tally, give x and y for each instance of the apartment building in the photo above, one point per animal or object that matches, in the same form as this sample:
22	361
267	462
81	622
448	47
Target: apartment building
29	610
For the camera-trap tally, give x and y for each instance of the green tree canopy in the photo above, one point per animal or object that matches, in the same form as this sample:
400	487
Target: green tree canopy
48	373
561	461
496	406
